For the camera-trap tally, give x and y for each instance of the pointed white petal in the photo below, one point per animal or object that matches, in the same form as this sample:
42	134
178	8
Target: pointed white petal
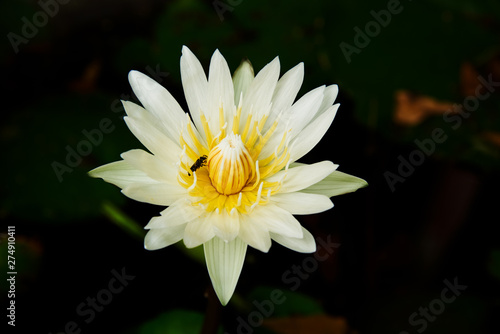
155	193
195	84
242	78
287	88
294	119
157	100
306	244
304	110
151	165
254	234
198	231
331	93
258	96
226	226
121	174
224	264
277	220
303	176
159	238
299	203
220	90
178	213
310	136
136	111
337	183
145	127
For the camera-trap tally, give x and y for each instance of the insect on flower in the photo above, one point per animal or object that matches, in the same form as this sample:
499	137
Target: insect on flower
202	161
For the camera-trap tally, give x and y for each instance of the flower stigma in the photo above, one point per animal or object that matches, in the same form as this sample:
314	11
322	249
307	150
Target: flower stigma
230	165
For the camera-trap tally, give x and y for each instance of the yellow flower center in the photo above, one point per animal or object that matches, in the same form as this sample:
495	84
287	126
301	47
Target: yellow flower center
226	170
230	165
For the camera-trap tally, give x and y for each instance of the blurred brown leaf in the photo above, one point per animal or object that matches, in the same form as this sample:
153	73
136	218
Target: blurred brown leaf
494	67
468	79
412	109
314	324
87	83
492	137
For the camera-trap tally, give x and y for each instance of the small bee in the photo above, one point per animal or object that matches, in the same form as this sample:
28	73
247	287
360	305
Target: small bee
202	161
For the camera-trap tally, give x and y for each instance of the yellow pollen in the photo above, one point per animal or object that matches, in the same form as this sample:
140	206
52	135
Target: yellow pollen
230	165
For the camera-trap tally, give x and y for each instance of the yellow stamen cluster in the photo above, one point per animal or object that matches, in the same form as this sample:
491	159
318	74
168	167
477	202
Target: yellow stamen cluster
233	177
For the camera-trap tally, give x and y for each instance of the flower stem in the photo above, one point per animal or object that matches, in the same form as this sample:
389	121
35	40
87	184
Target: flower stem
123	221
212	313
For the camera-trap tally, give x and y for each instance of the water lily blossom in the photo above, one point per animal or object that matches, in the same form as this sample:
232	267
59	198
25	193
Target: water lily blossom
228	170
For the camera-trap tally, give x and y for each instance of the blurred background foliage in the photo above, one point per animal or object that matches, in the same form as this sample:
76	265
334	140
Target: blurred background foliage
397	247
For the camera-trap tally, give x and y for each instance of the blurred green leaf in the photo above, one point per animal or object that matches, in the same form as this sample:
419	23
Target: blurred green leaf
51	151
174	322
288	303
489	7
494	263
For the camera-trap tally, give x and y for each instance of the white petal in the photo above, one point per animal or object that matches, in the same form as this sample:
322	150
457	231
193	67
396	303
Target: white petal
306	244
198	231
220	90
337	183
136	111
156	99
304	110
331	93
144	126
151	165
310	136
178	213
299	203
277	220
303	176
159	238
258	96
226	226
121	174
242	78
224	264
294	119
195	84
287	88
155	193
254	234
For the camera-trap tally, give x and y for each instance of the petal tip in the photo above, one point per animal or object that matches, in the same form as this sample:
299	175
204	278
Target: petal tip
362	184
92	173
186	51
132	75
245	65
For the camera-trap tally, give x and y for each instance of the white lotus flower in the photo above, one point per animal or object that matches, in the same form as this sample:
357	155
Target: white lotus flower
228	173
